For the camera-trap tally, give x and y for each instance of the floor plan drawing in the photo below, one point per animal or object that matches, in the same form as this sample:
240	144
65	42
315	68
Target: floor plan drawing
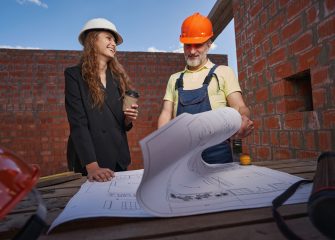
176	181
116	198
194	187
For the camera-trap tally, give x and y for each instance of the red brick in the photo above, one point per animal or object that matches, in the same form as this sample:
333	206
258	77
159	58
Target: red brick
282	153
262	94
291	29
324	139
266	46
275	40
329	7
271	108
319	76
264	17
283	70
258	123
329	119
312	15
326	28
276	23
295	140
258	37
308	59
272	122
283	139
257	138
319	98
259	66
258	52
263	153
255	9
273	8
309	139
293	121
305	154
277	56
265	138
294	104
296	7
304	42
274	138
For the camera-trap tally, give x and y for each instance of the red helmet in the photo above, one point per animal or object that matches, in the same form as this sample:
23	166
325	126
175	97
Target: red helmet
17	179
196	29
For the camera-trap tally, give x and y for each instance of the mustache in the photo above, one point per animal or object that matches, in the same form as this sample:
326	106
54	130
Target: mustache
192	55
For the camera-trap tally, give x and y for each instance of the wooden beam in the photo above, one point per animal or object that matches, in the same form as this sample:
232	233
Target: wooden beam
57	179
220	15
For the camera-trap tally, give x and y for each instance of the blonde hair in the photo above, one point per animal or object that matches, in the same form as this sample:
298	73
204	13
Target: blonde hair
90	72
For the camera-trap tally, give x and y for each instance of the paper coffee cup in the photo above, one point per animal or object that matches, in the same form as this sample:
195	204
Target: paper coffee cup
130	98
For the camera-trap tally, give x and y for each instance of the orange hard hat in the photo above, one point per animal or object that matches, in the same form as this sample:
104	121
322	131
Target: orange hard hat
196	29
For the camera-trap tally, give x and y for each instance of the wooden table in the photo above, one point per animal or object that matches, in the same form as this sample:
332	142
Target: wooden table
239	224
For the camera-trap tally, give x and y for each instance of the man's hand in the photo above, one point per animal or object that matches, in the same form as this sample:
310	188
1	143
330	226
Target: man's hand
95	173
246	128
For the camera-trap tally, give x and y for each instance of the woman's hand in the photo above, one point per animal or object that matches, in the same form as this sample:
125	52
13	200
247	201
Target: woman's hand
95	173
131	114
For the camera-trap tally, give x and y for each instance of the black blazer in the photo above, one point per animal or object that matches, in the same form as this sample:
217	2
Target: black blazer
95	134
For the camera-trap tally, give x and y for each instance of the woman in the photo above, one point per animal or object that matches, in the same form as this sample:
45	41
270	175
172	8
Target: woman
94	91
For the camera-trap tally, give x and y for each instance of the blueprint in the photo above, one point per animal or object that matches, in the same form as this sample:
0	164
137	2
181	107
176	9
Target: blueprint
115	198
176	182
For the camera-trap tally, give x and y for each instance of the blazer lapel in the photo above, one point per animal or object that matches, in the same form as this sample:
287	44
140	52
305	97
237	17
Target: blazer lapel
113	100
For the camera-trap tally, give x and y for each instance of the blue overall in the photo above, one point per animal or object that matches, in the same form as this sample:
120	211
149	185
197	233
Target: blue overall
197	101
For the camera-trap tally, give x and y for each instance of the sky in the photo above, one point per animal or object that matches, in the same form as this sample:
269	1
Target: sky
145	25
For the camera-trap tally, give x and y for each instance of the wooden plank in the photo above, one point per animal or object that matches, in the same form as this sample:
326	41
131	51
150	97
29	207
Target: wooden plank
71	184
296	170
309	176
289	164
145	228
284	161
263	231
57	179
220	16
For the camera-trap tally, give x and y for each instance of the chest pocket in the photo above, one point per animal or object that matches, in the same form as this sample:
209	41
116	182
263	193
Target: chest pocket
191	97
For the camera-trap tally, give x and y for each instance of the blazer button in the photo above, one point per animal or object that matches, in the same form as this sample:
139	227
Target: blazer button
103	131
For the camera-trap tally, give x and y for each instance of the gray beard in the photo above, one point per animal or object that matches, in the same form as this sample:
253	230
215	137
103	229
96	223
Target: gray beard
193	63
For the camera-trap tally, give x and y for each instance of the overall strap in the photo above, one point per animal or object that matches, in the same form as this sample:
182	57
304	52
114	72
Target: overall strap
180	82
210	75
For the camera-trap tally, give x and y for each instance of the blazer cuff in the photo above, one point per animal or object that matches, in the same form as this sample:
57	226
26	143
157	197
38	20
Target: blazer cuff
129	126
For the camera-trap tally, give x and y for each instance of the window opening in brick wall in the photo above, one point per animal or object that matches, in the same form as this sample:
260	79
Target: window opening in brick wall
298	92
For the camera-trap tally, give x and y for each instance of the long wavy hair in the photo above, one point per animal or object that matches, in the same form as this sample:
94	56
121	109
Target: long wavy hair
89	62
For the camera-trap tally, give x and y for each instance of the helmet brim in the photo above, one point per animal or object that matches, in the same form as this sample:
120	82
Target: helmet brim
194	40
118	38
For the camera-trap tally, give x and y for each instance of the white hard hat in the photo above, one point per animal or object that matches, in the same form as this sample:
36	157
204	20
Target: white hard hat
102	24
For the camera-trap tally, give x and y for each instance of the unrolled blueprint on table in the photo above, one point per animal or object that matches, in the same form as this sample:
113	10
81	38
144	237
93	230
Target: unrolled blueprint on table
176	182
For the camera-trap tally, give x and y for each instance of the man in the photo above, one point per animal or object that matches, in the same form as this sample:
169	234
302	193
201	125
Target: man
203	86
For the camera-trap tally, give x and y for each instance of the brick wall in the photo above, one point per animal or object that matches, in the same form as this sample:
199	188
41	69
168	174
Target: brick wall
286	62
33	120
